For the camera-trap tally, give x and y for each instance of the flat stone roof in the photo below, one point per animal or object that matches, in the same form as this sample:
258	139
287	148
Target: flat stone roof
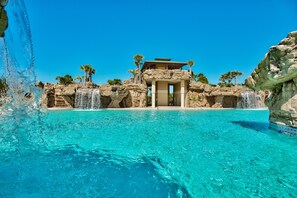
172	64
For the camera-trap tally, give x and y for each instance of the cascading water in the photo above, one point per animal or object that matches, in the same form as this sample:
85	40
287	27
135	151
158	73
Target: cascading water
250	100
21	106
22	132
87	98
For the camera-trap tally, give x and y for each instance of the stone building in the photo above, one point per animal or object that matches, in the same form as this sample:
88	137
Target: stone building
167	82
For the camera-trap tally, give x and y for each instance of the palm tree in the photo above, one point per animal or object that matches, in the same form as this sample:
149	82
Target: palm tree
138	62
134	72
229	77
86	68
223	78
191	64
115	81
90	73
60	79
201	78
235	75
79	78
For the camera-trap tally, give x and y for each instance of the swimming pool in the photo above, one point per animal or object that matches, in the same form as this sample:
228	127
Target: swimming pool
147	153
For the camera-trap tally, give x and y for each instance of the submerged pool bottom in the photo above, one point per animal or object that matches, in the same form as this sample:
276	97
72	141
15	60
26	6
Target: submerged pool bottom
228	153
72	172
284	129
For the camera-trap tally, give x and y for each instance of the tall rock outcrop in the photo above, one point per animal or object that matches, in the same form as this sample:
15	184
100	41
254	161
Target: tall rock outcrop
123	96
3	18
278	72
59	96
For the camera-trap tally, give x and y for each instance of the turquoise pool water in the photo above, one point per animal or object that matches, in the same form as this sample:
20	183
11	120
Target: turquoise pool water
123	153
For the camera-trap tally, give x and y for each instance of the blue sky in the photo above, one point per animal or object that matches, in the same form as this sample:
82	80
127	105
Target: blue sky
218	35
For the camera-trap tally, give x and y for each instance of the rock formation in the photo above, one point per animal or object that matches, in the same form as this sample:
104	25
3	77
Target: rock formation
123	96
204	95
135	95
161	74
112	96
278	72
3	17
59	96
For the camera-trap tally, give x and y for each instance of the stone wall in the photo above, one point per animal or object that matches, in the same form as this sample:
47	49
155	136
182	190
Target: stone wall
278	72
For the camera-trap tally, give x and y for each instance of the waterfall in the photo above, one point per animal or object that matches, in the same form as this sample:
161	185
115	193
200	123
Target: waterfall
21	106
18	62
87	98
22	133
250	100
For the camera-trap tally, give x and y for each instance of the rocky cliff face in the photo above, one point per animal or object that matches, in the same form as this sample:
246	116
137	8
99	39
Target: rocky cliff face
137	95
278	72
124	96
203	95
59	96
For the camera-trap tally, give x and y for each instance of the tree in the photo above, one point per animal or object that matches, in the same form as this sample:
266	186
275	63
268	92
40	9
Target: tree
191	64
115	81
223	79
86	68
110	82
64	80
235	75
200	78
90	74
138	58
229	76
79	78
226	76
134	72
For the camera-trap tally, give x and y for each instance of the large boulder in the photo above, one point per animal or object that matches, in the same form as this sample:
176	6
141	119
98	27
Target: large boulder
137	94
3	17
123	96
278	72
278	66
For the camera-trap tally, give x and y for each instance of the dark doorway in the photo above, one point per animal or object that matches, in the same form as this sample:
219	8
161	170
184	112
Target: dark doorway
170	95
149	95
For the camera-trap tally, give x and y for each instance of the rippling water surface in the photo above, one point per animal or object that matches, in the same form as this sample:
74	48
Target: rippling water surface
111	153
